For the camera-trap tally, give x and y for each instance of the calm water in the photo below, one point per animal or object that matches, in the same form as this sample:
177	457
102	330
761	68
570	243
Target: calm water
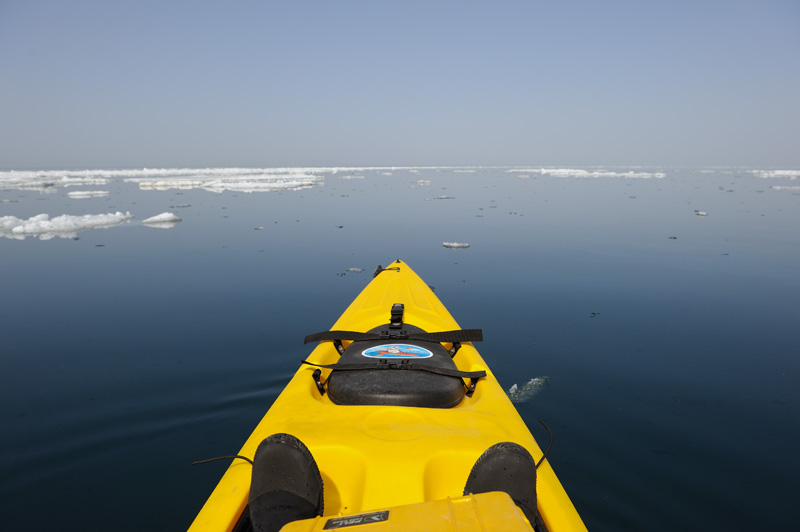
669	339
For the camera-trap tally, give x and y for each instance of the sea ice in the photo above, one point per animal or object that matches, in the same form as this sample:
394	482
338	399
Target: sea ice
249	183
88	193
46	181
165	220
213	179
455	245
64	226
164	217
785	174
576	172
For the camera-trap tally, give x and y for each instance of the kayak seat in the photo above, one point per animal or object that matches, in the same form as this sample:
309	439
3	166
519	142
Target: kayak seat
395	387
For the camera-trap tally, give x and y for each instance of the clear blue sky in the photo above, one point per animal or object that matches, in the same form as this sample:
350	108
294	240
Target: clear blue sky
87	84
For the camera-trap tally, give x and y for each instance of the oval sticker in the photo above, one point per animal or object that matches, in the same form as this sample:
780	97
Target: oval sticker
396	351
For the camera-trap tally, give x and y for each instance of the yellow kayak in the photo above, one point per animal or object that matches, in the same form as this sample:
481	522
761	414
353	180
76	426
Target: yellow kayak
407	426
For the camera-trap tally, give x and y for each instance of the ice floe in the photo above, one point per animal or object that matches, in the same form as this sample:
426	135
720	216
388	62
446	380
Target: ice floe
215	179
520	394
455	245
88	193
165	219
777	187
784	174
46	181
581	173
355	270
259	179
250	183
64	226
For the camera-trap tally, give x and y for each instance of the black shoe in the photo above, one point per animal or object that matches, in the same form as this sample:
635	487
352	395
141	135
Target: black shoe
286	485
510	468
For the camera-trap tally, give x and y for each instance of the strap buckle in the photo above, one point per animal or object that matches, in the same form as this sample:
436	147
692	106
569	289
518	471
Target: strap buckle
396	320
389	335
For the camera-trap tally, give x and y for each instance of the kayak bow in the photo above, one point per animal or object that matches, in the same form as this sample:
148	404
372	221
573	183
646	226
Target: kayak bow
396	407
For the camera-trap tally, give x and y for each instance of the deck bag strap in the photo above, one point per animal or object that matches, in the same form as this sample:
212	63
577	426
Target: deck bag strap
460	335
421	367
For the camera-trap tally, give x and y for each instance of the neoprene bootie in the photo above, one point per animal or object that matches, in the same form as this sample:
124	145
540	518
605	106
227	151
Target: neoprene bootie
286	485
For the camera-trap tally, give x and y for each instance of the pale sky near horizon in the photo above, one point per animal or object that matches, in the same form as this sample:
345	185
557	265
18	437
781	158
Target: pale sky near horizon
102	84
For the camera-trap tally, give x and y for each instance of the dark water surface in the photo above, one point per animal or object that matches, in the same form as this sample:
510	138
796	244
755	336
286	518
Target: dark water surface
669	340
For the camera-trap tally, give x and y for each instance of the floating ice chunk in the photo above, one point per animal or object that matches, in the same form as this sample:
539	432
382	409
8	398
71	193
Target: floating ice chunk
164	217
455	245
422	182
701	213
528	390
64	226
351	177
88	193
165	220
355	270
785	188
444	197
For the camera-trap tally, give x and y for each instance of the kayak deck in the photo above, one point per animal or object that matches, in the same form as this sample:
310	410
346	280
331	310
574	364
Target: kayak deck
374	456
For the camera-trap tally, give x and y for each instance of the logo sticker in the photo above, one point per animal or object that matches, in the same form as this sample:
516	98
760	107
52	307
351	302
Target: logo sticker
396	351
354	520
